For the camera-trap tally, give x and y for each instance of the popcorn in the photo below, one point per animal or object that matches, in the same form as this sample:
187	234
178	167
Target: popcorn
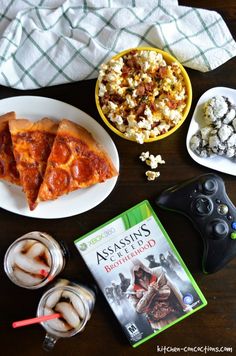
148	113
144	156
152	175
149	95
131	103
112	105
139	137
102	90
144	124
153	162
118	119
117	65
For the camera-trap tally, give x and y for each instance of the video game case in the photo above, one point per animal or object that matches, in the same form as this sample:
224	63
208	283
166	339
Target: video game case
140	273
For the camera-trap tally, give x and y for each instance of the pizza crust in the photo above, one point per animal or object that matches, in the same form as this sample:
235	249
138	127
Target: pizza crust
8	170
72	129
45	124
6	118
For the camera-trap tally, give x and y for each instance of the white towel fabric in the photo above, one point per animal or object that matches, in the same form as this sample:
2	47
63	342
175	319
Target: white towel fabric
49	42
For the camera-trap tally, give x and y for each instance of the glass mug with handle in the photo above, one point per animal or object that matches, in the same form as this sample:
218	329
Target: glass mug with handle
74	303
34	259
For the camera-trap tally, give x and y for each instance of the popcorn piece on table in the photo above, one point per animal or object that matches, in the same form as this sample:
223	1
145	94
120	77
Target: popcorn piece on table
144	156
151	175
151	160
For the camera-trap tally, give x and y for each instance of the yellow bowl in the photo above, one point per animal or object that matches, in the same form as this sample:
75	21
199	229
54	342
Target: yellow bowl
168	59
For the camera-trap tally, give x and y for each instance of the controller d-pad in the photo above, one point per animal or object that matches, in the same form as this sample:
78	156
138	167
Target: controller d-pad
202	206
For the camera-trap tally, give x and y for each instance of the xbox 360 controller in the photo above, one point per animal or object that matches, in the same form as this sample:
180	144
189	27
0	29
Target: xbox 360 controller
204	201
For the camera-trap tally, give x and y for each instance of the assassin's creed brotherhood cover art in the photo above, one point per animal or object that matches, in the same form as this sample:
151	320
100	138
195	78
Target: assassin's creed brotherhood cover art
140	273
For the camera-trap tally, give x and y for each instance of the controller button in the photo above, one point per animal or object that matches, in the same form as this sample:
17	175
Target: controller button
210	186
220	229
229	217
222	209
233	225
202	206
233	235
218	201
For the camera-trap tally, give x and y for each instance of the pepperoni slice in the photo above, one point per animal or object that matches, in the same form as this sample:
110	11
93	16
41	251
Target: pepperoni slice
58	180
81	170
40	145
61	152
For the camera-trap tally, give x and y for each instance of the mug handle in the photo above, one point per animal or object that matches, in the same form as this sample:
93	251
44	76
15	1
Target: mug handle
49	342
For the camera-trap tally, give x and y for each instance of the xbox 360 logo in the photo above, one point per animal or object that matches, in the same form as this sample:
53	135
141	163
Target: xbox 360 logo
83	246
188	298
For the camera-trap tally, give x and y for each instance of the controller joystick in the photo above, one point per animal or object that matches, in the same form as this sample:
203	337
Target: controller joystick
204	201
220	229
210	186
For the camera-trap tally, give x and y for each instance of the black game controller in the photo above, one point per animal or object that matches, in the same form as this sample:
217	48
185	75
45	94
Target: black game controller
204	201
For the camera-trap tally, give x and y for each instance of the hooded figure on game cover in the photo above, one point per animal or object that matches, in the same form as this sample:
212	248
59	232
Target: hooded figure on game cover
155	295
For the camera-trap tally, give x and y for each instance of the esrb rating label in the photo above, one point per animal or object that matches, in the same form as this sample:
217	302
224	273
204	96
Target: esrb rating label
133	331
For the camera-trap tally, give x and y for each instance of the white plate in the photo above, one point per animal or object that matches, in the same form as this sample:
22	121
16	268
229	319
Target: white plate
218	163
34	108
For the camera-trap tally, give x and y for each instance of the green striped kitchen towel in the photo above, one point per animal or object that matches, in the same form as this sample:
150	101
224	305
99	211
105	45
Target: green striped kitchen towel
49	42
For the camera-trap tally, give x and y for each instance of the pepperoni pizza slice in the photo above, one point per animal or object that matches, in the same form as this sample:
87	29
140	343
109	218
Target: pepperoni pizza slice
76	161
8	169
32	143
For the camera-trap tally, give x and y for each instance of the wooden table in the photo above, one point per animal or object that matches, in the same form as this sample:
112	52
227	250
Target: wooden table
214	325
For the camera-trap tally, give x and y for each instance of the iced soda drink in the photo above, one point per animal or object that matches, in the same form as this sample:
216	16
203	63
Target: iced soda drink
74	302
33	260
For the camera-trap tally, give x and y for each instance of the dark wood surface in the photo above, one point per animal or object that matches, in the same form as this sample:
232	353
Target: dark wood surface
214	325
